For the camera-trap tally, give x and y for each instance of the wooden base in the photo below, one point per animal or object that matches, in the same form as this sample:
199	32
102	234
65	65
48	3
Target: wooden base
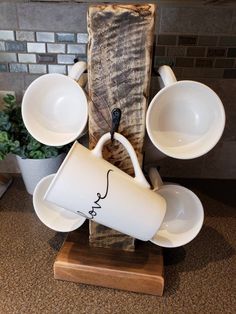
139	271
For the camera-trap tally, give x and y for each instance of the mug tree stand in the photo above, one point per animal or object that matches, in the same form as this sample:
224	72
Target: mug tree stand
119	69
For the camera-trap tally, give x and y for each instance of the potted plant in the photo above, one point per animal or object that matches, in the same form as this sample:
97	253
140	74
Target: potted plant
35	159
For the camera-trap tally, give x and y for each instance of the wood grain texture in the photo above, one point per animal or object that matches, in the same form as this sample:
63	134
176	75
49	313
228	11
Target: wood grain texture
139	271
119	67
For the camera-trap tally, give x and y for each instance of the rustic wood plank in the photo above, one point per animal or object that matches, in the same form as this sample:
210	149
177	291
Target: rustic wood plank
119	67
139	271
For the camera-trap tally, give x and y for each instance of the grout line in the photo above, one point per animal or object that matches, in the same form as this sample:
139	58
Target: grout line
213	63
17	15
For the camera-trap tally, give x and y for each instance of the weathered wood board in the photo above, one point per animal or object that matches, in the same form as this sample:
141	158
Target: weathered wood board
119	68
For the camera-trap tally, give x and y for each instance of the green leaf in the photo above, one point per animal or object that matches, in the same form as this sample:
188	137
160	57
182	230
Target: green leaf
10	96
3	137
2	155
33	145
14	147
4	121
9	99
50	151
4	144
36	154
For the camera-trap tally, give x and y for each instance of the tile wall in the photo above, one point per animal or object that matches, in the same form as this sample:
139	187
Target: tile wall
37	52
197	38
208	56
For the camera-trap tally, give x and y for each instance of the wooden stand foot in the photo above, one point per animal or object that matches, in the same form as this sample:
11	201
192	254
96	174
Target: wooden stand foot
138	271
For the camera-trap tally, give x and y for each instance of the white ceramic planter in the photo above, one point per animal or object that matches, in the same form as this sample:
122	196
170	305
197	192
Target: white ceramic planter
33	170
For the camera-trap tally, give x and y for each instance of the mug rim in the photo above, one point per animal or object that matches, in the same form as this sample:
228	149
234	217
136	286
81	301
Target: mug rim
25	108
192	155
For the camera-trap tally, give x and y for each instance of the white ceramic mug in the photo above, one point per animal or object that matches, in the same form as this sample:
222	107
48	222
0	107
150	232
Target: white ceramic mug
184	213
51	215
185	119
54	107
92	187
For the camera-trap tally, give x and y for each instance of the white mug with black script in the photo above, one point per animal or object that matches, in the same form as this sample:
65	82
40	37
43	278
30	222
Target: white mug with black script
92	187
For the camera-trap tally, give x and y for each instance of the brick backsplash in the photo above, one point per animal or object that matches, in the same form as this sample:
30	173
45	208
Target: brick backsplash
187	40
184	62
20	50
231	52
25	36
230	73
3	67
56	48
15	46
206	56
65	37
18	67
166	39
52	51
207	40
45	37
204	63
46	58
216	52
196	51
7	35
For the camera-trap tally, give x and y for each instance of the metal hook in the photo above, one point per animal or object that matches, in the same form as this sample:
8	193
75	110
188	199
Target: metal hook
116	116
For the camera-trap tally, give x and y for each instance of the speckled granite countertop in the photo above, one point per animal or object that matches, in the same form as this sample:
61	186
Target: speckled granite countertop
200	277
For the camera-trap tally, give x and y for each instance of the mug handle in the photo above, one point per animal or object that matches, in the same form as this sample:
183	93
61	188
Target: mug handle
97	151
167	75
77	70
155	178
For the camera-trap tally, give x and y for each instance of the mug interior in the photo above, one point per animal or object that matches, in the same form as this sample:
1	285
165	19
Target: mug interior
183	219
54	109
185	120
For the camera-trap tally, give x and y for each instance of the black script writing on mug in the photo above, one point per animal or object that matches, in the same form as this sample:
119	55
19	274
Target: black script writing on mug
93	212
